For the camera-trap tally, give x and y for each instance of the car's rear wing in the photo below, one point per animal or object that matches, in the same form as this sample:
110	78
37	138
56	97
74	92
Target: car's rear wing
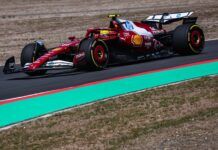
167	18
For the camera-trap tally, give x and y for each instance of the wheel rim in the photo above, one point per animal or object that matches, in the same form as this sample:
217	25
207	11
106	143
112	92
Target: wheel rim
100	55
196	38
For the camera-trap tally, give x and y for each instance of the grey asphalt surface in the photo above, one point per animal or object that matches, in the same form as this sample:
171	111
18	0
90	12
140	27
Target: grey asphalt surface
20	84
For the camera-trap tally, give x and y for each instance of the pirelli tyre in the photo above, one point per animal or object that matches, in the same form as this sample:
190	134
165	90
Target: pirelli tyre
29	54
188	39
96	54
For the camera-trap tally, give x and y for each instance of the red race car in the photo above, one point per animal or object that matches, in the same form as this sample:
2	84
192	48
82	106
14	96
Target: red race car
123	41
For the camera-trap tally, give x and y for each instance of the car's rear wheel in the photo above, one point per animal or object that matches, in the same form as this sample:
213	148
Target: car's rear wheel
96	53
188	39
29	54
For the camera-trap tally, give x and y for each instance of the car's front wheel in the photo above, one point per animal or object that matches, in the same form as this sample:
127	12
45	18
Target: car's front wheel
29	54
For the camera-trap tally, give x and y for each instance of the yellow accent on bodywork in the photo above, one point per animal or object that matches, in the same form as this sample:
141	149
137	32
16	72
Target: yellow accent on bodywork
56	49
113	15
104	32
137	40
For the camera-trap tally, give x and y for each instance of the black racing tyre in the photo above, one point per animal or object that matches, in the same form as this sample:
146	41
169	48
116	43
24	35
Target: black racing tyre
96	53
29	54
188	39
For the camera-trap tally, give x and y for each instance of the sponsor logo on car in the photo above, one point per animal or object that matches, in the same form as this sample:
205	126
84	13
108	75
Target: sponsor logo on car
137	40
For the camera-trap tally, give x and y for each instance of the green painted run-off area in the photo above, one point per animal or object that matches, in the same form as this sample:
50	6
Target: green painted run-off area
18	111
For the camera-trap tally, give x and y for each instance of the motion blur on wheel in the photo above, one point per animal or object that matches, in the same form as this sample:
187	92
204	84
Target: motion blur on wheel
123	41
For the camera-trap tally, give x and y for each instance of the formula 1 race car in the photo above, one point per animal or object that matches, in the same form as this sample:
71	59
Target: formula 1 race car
123	41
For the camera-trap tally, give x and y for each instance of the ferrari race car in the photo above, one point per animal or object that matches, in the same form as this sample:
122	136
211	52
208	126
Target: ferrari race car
123	41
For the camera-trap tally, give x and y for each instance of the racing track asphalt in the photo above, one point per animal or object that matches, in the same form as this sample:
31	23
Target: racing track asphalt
15	85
